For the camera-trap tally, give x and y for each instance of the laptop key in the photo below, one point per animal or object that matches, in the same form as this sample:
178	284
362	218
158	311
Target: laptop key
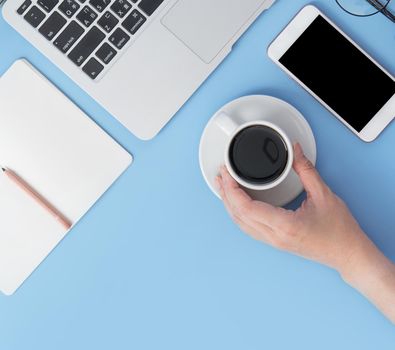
69	7
52	25
149	6
106	53
108	21
121	7
99	5
86	46
21	10
87	16
34	16
133	22
47	5
119	38
93	68
68	37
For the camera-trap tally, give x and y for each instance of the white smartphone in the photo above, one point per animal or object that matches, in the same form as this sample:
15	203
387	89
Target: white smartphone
337	72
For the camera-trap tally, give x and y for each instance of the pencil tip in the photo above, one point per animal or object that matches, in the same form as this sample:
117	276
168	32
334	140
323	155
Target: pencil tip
3	169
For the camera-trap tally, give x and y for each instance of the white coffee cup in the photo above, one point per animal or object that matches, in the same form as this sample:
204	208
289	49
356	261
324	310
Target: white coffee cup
231	128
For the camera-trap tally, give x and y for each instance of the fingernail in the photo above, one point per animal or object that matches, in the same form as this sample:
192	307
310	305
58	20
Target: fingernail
223	172
220	188
218	182
225	176
298	151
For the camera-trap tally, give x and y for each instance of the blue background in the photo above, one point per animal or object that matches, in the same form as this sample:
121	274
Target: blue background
157	263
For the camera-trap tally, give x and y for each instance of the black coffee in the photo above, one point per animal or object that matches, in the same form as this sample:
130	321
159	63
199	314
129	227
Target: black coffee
258	154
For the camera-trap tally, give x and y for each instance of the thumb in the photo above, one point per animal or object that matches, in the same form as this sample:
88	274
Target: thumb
311	180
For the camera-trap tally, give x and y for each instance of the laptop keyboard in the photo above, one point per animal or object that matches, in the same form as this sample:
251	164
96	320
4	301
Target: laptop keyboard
90	32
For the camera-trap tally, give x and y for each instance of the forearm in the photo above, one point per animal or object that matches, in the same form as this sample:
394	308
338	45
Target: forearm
373	275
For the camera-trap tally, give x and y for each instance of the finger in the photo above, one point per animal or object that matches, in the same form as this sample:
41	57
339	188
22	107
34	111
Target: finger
231	187
244	206
254	229
311	180
227	204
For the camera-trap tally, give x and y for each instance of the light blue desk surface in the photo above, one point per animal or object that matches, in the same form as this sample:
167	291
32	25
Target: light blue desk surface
157	263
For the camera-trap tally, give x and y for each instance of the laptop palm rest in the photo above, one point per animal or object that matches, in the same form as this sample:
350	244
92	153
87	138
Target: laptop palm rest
207	26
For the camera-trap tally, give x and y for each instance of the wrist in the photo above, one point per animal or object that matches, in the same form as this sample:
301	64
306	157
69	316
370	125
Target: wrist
373	275
367	268
364	257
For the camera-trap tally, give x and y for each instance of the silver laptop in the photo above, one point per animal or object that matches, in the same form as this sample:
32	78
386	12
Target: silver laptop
140	59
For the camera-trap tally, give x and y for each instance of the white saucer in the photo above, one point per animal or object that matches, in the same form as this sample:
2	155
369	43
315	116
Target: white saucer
251	108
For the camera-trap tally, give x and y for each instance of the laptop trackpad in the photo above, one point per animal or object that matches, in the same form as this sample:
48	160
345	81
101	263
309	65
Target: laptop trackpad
207	26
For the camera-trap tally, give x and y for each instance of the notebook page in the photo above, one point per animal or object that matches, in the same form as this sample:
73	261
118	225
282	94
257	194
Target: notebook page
21	248
59	151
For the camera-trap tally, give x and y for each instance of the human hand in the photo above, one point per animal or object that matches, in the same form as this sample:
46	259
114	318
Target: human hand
322	229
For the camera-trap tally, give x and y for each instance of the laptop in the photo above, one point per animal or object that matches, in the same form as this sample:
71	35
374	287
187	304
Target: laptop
139	59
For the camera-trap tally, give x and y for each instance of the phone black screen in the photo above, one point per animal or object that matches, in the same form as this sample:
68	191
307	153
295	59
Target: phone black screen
339	73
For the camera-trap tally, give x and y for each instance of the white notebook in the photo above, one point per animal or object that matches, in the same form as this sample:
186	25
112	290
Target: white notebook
61	153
